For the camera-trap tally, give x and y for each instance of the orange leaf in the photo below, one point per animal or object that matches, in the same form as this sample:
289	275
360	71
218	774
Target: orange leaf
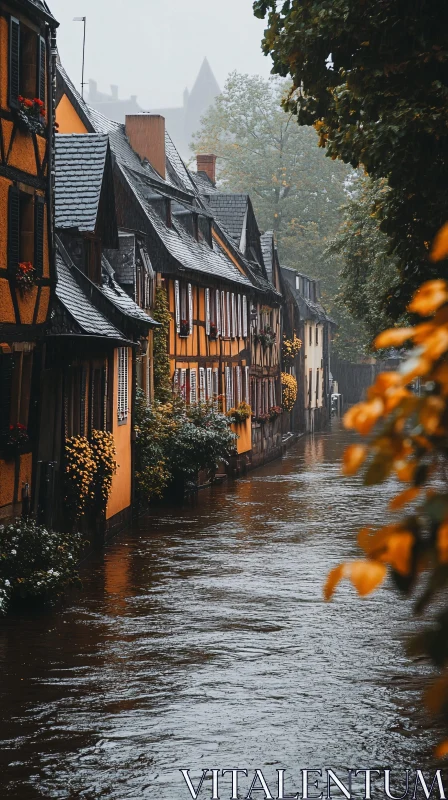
404	498
405	470
442	749
430	414
436	695
334	577
442	543
354	458
429	297
439	249
436	343
366	576
393	337
399	552
363	416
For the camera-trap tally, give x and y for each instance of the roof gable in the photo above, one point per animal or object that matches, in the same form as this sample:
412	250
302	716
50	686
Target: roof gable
84	186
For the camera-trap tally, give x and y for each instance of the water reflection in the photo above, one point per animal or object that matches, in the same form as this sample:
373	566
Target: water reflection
201	640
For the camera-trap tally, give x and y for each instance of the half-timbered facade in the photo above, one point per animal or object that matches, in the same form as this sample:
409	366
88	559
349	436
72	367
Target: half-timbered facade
27	274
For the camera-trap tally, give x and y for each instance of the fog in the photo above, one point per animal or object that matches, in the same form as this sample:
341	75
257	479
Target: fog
154	48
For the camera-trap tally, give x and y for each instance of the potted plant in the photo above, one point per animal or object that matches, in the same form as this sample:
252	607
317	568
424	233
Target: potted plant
26	276
184	328
31	115
14	441
240	414
266	337
262	419
274	413
213	330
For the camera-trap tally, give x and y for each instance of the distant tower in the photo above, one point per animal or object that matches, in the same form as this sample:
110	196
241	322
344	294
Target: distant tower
202	96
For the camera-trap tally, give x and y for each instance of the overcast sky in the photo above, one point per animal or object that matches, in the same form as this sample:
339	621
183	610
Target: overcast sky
154	48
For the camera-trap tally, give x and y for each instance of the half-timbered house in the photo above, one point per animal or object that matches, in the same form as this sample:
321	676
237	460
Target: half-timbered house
27	274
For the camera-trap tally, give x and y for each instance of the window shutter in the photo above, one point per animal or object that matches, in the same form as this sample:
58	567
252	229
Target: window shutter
228	389
190	308
202	391
42	70
209	383
123	381
207	312
193	387
215	387
13	230
228	330
218	312
223	314
183	384
82	401
246	385
244	316
239	388
176	381
232	316
177	305
14	62
240	326
6	368
39	218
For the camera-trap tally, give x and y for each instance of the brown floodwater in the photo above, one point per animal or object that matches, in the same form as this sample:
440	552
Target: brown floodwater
201	640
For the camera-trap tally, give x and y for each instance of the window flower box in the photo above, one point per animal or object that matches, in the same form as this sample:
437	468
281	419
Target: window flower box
26	276
184	329
240	414
14	442
262	419
275	412
266	337
213	331
31	116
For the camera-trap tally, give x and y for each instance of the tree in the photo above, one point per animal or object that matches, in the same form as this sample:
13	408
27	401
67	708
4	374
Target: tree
295	190
372	77
368	274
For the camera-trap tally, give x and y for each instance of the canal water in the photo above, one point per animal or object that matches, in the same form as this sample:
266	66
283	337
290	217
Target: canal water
201	640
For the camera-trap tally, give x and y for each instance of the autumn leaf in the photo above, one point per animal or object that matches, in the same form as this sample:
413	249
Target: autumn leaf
439	249
354	457
394	337
442	543
442	749
363	416
366	576
402	499
429	298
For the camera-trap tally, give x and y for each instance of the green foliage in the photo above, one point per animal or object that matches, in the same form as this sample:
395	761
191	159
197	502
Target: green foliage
161	313
103	454
34	562
176	441
368	273
372	78
295	190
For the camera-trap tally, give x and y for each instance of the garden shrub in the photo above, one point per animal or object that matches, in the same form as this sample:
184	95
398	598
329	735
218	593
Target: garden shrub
35	563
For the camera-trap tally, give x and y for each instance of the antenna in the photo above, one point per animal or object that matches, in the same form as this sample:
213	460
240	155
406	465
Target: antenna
84	20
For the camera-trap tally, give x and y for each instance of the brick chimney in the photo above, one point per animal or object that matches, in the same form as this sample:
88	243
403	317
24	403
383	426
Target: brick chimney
146	134
207	164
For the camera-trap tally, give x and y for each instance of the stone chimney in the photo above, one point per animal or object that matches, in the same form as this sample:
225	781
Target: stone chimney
207	164
146	134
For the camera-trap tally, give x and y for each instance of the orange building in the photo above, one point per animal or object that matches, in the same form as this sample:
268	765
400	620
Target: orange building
27	274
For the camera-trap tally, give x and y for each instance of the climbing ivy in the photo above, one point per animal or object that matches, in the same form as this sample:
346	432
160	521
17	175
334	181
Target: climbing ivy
161	313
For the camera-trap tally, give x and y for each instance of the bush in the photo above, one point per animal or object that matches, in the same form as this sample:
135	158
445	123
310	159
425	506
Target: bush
175	441
35	563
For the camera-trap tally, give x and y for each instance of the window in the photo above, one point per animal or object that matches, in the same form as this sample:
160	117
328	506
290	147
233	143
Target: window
193	387
202	385
317	386
317	334
229	388
15	380
26	216
209	383
27	64
310	387
246	393
216	391
212	313
311	334
94	260
123	384
183	308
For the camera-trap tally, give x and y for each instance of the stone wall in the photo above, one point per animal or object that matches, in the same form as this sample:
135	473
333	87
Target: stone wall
266	442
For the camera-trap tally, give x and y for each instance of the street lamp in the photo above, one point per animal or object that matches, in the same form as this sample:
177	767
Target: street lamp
83	20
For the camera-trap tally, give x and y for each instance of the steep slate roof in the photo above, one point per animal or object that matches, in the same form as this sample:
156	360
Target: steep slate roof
91	321
308	309
118	297
230	209
79	163
267	248
41	7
